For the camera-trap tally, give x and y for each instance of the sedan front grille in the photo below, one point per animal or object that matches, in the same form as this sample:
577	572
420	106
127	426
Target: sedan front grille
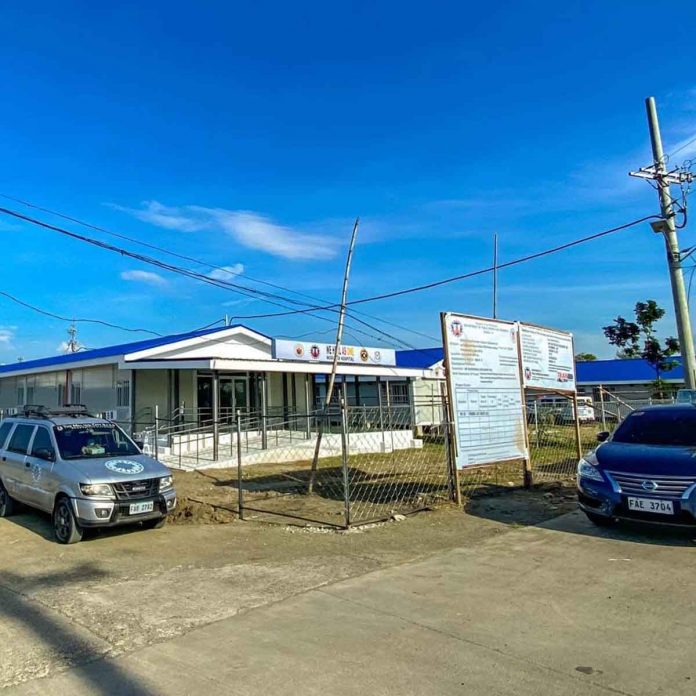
652	486
132	490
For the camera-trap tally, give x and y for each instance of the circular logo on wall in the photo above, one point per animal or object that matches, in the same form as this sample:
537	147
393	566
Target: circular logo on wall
124	466
457	328
377	356
299	350
315	352
364	355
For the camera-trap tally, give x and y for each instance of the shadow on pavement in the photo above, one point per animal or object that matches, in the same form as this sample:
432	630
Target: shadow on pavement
549	506
109	678
631	532
41	524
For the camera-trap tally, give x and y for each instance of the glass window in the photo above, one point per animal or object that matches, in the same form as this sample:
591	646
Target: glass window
90	440
4	432
668	426
19	442
123	393
42	440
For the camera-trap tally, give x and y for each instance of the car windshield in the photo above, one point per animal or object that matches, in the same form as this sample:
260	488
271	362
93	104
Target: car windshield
88	440
659	427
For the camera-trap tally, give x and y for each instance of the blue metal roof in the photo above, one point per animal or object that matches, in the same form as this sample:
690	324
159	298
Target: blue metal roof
111	351
606	371
591	372
419	358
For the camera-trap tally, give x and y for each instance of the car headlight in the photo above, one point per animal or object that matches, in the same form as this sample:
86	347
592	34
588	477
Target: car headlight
165	483
589	471
103	490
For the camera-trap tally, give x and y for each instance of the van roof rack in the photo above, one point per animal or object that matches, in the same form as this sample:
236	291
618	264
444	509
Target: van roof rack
41	411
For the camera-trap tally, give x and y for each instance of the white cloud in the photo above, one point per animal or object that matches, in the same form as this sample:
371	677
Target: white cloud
250	229
227	272
7	334
164	216
144	277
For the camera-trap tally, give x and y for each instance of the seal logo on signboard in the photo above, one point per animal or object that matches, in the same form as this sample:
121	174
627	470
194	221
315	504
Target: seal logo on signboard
124	466
315	352
364	355
377	356
457	328
299	350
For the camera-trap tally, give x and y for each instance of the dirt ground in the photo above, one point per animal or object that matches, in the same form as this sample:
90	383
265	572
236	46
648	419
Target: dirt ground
210	497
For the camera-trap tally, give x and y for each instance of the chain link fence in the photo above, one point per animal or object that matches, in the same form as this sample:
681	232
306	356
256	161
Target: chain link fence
350	465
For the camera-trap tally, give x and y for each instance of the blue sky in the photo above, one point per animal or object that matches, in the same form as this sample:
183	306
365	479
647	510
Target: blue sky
250	135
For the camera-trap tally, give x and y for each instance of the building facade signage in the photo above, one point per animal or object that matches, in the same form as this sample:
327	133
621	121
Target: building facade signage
306	351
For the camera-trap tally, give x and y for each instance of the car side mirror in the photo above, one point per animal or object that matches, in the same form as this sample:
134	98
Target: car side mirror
603	436
139	444
48	455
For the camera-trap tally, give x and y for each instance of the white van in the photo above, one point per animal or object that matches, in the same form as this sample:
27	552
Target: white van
586	412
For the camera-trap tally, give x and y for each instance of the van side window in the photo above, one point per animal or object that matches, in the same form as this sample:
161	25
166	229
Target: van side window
4	432
19	442
42	440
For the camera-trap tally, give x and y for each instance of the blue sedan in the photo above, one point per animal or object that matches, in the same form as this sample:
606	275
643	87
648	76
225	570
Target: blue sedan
645	471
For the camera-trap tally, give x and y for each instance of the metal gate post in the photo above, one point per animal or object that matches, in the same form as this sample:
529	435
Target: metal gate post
240	489
601	401
264	409
344	463
156	431
216	414
381	413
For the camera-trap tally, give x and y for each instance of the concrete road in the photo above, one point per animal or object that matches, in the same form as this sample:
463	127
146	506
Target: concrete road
561	608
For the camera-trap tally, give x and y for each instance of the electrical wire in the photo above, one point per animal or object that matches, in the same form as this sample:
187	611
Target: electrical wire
75	320
681	147
481	271
243	290
192	259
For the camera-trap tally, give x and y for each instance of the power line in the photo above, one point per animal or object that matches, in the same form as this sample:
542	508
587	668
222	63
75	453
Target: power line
682	147
241	289
76	320
199	262
472	274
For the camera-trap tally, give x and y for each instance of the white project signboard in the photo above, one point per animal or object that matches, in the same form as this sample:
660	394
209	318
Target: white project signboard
307	351
547	358
483	373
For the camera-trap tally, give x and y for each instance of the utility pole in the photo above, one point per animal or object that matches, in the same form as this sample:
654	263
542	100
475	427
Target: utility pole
663	179
334	364
495	275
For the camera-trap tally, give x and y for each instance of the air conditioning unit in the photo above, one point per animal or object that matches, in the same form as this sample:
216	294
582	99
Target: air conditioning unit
111	415
11	411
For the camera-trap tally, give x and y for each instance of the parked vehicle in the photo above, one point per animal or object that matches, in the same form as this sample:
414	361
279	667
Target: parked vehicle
686	396
83	470
586	412
645	471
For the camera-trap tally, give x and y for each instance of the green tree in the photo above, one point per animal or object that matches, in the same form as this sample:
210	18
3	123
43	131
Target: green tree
637	339
585	357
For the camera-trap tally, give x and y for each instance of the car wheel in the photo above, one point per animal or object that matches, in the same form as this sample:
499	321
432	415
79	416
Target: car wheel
599	520
7	504
65	525
156	523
